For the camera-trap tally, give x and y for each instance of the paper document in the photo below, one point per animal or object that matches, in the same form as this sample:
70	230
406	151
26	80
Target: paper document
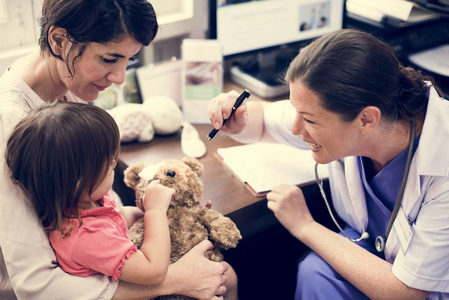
399	9
434	60
263	166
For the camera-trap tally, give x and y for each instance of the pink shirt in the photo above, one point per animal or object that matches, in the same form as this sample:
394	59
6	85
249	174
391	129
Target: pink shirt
100	245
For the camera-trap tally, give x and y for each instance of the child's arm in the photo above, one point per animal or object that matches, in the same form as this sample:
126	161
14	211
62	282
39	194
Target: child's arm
131	214
149	265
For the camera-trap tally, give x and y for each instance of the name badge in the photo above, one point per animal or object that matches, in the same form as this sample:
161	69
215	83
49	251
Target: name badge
403	230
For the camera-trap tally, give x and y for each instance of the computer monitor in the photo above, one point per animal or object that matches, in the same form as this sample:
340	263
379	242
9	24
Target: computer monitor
255	28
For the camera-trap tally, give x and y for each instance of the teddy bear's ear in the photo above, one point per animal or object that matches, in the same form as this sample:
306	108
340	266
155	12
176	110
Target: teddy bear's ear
131	173
194	164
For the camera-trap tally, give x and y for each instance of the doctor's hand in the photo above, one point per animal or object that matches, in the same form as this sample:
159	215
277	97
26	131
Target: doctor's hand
220	109
290	208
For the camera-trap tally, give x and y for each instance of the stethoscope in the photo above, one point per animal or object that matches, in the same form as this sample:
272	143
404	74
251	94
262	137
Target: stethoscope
380	240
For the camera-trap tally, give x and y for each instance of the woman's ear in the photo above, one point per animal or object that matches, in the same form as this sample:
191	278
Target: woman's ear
369	118
57	39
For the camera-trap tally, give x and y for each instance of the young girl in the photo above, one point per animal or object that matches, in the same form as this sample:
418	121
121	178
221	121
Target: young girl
63	156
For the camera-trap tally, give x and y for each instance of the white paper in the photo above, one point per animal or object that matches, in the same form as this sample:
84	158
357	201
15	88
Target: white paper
264	166
400	9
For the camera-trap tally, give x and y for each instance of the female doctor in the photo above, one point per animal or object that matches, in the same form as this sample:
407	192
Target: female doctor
383	130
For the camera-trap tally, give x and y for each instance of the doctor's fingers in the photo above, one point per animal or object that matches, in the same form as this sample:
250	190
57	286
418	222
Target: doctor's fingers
220	107
285	191
286	196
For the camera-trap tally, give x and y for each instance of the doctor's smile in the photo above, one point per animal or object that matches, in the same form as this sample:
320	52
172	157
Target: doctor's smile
314	146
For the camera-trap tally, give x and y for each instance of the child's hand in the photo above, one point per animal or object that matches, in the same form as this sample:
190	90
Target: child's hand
157	196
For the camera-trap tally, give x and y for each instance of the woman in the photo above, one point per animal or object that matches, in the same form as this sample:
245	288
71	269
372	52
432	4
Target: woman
360	111
85	47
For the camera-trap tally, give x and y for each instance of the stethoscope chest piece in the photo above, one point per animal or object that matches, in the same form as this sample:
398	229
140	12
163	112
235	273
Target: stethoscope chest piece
380	244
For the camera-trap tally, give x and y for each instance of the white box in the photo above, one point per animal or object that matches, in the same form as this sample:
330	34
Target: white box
202	77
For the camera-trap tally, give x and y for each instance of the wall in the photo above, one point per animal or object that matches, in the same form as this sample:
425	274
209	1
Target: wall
19	29
179	19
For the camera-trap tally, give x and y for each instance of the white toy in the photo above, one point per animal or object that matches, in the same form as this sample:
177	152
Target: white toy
166	114
134	122
139	122
157	115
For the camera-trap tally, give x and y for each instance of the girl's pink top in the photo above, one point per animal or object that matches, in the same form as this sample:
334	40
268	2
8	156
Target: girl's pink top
100	245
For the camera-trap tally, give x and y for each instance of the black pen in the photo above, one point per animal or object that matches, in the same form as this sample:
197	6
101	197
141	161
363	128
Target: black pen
237	104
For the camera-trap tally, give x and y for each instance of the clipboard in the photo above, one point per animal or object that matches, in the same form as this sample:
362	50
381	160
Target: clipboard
263	166
259	194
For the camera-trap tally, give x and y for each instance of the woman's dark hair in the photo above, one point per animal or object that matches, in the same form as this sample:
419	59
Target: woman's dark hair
98	21
59	153
350	70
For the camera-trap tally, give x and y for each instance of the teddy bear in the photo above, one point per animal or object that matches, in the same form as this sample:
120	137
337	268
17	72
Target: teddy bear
189	222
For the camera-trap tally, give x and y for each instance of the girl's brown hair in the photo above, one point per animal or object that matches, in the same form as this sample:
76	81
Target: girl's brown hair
60	152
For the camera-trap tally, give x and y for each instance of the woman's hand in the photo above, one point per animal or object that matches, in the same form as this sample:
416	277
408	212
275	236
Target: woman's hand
197	276
290	208
220	109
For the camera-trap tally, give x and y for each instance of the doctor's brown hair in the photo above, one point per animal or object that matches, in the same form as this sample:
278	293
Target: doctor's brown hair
350	70
58	153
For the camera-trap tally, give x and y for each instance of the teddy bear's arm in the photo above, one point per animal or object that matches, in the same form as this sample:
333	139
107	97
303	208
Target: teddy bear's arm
136	233
222	229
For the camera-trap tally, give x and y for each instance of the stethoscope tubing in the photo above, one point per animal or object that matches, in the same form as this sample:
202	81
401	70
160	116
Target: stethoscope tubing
380	240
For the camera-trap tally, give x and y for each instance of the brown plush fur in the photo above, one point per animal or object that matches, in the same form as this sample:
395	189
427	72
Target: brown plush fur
189	223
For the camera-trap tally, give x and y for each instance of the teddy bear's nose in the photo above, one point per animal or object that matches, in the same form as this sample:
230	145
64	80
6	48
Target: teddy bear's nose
171	173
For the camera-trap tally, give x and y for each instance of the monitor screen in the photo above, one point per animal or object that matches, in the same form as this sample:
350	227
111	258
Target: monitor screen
243	25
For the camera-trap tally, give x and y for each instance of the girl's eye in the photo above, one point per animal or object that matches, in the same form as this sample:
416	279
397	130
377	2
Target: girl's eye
109	61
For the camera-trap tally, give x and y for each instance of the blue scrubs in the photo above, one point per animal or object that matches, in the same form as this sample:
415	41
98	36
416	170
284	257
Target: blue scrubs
316	279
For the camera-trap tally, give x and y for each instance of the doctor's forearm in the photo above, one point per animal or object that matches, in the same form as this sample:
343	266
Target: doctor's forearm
254	130
367	272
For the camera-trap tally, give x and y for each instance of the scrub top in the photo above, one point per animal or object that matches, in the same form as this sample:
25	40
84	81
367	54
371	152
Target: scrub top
382	190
